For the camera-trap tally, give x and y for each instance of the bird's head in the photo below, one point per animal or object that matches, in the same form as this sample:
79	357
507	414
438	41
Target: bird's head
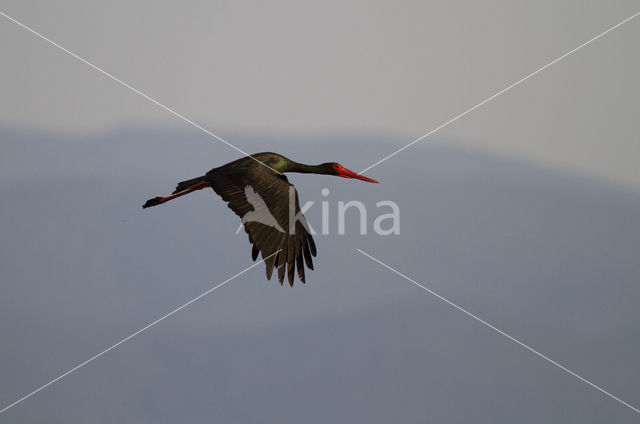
334	168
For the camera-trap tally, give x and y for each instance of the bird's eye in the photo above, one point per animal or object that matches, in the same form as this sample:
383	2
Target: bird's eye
337	166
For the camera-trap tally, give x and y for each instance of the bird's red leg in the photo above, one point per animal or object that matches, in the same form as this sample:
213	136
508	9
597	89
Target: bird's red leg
159	200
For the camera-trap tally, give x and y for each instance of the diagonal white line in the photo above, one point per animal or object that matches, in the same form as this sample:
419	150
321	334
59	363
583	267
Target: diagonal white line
513	339
504	90
133	335
124	84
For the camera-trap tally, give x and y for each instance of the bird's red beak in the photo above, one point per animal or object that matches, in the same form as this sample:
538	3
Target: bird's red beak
345	173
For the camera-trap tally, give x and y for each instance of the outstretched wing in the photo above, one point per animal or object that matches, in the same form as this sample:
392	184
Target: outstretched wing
294	246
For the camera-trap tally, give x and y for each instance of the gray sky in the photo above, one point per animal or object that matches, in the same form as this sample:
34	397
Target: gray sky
308	69
523	212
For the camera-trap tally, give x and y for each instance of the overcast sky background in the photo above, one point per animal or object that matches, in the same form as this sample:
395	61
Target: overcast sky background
524	212
303	68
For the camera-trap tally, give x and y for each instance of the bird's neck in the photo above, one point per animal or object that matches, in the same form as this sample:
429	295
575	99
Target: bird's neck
304	169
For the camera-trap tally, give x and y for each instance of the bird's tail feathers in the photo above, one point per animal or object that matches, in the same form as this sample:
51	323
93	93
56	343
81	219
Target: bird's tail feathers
188	184
184	187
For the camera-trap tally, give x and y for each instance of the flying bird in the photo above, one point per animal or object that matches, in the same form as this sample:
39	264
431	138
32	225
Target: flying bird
256	189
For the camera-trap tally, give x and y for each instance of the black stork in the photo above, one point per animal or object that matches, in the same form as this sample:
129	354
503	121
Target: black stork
257	190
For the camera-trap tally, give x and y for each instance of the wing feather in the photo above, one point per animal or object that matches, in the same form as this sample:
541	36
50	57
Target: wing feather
296	248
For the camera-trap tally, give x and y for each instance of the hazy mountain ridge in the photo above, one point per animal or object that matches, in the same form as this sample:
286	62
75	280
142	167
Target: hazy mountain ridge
545	255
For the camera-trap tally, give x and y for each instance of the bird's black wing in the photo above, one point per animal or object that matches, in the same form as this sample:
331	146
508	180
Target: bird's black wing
294	246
